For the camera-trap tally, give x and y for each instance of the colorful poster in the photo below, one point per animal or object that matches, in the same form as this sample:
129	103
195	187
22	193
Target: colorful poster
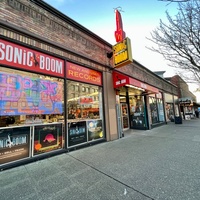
77	133
95	130
47	138
23	95
14	144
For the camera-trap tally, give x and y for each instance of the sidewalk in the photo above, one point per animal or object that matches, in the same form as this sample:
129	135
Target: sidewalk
162	163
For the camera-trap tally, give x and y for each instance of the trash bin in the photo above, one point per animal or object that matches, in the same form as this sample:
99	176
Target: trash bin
178	120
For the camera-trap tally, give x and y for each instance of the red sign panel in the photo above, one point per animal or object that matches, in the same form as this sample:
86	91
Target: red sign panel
119	33
83	74
120	80
24	58
86	100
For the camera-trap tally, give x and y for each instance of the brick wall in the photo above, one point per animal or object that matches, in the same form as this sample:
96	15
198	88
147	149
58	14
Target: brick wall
30	17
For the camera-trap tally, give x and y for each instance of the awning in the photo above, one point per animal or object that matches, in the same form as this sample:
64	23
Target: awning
120	80
196	104
185	100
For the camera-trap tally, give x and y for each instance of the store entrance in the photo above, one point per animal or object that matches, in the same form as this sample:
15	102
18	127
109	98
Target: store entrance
124	116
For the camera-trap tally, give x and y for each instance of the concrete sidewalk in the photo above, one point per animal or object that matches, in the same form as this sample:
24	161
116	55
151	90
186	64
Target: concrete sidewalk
162	163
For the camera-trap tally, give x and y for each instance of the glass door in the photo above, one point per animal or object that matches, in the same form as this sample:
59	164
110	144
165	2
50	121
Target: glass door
124	116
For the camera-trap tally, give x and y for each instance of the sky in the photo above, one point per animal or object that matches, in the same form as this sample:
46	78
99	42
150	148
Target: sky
140	18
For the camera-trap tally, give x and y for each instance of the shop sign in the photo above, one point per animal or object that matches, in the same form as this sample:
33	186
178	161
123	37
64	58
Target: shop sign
77	133
79	73
47	138
14	144
86	100
122	54
24	58
120	80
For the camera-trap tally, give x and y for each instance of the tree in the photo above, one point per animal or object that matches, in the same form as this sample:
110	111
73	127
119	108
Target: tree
179	39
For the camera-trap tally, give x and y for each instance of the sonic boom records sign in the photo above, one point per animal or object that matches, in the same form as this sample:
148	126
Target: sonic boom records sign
24	58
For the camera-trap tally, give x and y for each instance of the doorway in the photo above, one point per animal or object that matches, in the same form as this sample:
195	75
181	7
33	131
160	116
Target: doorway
124	116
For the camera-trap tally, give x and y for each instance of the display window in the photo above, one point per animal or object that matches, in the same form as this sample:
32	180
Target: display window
137	111
84	105
156	108
85	102
169	111
47	138
14	144
28	98
84	112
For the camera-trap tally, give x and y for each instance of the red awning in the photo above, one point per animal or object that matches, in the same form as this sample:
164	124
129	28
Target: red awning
120	80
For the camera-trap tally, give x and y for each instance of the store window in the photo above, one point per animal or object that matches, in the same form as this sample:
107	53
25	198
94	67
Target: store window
156	107
169	111
169	107
86	104
154	110
28	98
137	111
84	113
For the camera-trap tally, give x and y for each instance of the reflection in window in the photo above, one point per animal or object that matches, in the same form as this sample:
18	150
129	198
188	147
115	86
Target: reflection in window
154	110
157	110
84	104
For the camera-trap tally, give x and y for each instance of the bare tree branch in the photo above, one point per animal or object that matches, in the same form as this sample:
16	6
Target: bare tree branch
178	40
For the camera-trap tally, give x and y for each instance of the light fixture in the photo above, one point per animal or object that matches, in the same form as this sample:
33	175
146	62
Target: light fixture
132	86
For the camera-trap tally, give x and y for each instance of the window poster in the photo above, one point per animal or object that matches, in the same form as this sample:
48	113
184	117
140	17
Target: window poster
47	138
95	130
14	144
77	133
23	95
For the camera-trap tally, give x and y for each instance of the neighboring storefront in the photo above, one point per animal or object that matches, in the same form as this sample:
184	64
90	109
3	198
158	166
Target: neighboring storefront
187	108
132	99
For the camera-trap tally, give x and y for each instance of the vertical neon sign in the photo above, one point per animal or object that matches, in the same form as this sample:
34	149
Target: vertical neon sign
119	33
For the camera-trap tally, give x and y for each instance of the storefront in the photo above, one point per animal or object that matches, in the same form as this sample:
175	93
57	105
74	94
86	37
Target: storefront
133	101
42	109
187	108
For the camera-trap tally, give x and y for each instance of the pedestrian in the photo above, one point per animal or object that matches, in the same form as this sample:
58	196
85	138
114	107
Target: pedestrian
197	113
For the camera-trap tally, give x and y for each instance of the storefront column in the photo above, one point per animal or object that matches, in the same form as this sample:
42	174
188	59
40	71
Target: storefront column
110	110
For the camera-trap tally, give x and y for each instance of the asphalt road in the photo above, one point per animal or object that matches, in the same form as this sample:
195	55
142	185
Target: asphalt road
162	163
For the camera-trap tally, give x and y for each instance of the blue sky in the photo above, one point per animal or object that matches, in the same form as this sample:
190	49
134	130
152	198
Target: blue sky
139	17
